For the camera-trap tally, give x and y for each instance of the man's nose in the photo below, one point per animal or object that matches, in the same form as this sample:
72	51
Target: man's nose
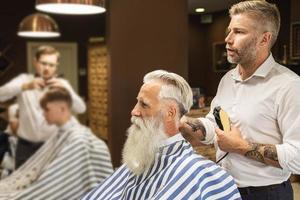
135	111
228	38
46	67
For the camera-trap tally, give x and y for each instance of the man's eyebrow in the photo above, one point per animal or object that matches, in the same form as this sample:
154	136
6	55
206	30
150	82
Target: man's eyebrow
143	100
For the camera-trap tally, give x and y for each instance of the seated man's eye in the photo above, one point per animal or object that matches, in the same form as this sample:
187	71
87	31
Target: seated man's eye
239	31
144	105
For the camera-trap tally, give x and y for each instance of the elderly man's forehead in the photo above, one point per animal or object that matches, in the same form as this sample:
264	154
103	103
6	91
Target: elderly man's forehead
150	89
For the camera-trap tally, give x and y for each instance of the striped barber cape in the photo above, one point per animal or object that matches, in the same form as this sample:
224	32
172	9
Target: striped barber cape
68	165
177	173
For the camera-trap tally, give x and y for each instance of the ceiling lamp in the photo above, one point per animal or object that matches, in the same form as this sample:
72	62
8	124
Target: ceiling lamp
199	10
71	7
39	26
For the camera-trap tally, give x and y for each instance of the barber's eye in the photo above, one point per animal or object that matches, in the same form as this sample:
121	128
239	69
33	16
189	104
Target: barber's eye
48	64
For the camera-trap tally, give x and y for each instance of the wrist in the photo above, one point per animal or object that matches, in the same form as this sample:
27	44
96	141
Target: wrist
244	147
24	87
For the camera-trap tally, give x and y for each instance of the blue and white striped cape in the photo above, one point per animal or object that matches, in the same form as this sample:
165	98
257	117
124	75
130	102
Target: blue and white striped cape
177	173
67	166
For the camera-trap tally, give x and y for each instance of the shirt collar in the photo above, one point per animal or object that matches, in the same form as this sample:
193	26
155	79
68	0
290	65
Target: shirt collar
261	71
176	138
68	124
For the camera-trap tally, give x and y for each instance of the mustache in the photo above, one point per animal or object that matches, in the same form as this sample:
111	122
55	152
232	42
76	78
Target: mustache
145	123
135	120
139	121
227	47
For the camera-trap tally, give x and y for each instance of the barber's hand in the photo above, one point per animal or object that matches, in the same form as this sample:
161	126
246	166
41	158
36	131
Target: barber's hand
54	82
36	83
231	141
192	130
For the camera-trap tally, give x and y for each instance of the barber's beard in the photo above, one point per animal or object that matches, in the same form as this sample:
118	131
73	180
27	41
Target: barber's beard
246	54
142	144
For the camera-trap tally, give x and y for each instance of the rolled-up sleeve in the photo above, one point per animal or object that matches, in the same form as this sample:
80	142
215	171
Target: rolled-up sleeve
209	122
210	130
289	123
78	105
12	88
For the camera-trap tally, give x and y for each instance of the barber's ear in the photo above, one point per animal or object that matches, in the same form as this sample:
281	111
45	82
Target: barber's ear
267	36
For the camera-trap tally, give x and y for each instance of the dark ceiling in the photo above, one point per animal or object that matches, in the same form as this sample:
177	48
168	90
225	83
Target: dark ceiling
210	5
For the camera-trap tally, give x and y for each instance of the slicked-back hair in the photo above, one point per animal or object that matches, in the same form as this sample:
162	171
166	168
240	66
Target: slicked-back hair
56	94
46	50
266	13
174	87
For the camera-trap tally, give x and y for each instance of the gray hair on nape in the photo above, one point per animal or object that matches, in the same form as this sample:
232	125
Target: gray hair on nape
174	88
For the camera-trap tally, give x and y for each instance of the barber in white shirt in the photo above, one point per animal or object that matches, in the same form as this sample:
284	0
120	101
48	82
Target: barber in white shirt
28	88
262	100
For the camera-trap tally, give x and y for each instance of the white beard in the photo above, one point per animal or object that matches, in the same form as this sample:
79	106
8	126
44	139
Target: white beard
144	138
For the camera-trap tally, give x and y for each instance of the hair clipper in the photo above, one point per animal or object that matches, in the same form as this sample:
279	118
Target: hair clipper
222	119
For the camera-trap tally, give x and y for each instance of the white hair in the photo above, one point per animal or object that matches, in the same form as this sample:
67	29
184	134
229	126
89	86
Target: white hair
174	88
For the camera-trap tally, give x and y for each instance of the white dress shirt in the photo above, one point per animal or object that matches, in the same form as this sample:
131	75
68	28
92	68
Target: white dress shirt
266	109
32	124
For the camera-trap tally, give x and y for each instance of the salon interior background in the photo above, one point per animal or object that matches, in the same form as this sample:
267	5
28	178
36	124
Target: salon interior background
141	36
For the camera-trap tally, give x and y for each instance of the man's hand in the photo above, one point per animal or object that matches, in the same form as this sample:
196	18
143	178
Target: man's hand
36	83
192	130
54	82
231	141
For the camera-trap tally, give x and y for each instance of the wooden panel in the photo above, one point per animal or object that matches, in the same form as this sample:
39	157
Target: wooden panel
97	88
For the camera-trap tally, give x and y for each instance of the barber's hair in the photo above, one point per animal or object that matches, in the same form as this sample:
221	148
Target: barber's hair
56	94
174	87
267	14
48	50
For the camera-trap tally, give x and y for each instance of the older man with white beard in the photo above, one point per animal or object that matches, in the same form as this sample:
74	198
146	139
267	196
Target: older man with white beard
158	162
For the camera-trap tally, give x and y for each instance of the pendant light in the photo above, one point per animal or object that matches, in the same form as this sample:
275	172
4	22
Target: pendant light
71	7
38	25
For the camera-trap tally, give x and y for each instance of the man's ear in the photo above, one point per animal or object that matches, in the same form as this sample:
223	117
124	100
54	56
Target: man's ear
266	39
171	112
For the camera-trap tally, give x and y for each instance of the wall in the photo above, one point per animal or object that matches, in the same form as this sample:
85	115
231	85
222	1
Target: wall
201	39
295	14
143	36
